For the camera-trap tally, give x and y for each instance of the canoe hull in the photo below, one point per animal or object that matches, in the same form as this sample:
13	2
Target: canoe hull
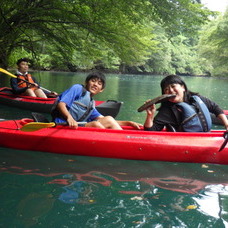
35	104
46	105
126	144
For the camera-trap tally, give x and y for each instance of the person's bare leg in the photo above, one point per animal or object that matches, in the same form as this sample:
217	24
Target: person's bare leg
40	93
29	92
109	122
95	124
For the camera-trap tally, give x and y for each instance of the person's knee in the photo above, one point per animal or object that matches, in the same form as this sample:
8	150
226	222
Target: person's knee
95	124
110	122
40	93
29	92
109	119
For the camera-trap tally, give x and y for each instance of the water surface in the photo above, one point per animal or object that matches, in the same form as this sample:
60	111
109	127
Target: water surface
50	190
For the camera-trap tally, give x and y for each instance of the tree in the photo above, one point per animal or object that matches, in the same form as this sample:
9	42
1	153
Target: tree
91	28
213	45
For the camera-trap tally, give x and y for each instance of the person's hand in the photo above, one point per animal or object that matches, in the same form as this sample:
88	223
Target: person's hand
226	127
52	94
151	110
72	123
33	85
135	125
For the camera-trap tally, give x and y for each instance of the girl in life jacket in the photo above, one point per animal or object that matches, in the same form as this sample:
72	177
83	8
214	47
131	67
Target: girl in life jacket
187	111
29	87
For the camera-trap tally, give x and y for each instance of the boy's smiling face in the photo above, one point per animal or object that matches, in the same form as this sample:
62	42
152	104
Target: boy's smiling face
94	86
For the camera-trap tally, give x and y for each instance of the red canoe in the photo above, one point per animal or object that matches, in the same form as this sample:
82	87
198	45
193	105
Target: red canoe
123	144
45	105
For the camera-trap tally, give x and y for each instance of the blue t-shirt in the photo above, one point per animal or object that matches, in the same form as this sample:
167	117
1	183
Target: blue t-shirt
69	96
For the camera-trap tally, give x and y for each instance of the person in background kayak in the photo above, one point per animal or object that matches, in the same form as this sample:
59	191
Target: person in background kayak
76	104
187	111
22	87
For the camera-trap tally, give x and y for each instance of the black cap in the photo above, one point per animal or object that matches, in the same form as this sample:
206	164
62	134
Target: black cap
22	60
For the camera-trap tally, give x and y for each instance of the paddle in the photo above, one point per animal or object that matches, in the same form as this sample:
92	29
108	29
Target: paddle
35	126
156	100
14	76
225	141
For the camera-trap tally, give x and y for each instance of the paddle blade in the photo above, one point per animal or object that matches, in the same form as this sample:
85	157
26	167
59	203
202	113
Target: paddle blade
225	141
35	126
7	72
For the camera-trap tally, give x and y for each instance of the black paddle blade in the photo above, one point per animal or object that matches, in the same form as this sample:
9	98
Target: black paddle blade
225	141
156	100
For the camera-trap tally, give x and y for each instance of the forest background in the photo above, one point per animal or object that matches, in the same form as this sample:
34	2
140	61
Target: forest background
122	36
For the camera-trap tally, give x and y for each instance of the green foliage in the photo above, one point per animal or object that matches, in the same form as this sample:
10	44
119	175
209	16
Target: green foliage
73	25
174	55
213	45
79	33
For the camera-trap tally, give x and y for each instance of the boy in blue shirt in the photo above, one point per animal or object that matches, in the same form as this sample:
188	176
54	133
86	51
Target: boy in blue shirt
76	104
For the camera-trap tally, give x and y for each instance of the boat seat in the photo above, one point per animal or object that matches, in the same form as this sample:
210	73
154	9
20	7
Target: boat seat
38	117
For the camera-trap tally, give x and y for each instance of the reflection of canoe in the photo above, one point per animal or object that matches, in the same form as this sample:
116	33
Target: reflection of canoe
106	172
216	120
126	144
45	105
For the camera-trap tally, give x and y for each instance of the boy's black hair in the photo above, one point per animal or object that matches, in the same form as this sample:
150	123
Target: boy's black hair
97	75
22	60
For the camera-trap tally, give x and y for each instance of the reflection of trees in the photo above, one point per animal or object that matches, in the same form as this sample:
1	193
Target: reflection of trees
35	205
118	192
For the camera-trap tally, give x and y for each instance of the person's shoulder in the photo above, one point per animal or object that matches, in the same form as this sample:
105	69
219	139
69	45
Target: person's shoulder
13	79
77	86
201	97
75	89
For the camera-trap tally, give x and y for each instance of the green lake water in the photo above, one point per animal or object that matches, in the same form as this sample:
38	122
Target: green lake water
51	190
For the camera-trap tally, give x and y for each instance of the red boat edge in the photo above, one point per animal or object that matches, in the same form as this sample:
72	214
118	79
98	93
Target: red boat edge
121	144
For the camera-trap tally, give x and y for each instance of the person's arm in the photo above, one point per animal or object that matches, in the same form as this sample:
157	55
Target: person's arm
224	120
36	84
150	116
61	106
129	123
120	122
215	109
14	86
211	105
157	121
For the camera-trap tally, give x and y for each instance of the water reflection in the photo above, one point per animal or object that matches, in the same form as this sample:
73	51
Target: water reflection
213	201
35	205
115	193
